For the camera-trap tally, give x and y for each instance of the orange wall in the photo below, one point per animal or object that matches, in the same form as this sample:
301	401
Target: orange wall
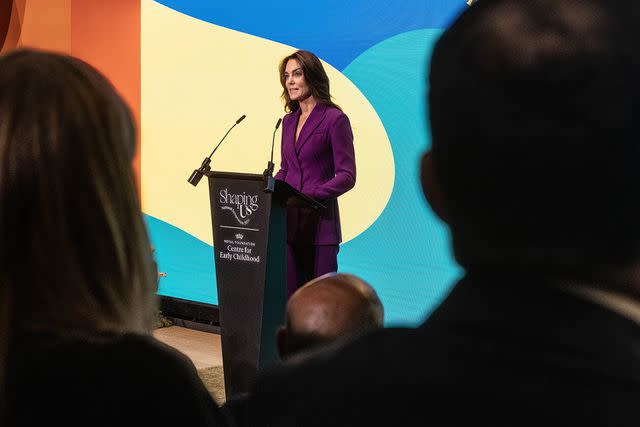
105	34
46	25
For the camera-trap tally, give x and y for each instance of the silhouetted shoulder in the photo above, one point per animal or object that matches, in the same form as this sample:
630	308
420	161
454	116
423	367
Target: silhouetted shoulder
112	381
339	386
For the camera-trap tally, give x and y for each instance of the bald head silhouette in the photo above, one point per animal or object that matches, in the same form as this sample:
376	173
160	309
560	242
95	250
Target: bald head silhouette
329	309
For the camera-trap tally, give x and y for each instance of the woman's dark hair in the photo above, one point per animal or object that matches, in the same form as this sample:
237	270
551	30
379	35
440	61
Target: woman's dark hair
314	75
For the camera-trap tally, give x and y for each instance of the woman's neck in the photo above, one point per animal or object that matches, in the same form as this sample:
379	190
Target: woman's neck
306	105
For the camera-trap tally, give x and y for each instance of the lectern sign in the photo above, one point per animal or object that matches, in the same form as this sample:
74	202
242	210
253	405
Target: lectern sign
239	222
241	208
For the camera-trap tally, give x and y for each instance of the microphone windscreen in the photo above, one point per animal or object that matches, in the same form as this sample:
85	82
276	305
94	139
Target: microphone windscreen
241	118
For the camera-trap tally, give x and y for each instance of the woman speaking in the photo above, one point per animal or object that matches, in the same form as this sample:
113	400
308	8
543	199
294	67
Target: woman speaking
318	160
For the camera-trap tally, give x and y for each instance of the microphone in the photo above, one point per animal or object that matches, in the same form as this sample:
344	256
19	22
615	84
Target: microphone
268	172
197	174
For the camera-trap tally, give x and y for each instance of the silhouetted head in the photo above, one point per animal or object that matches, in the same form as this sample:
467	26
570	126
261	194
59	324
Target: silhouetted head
534	159
329	309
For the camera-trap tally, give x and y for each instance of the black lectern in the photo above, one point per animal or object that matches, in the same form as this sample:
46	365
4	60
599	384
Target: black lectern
249	234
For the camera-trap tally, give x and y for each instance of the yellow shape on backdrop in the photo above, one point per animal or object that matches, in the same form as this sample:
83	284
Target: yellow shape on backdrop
197	79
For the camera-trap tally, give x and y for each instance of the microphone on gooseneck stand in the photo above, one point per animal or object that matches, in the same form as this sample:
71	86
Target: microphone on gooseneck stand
197	174
268	172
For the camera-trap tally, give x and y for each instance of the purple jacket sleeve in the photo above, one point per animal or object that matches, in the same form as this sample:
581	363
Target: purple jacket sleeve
282	173
344	162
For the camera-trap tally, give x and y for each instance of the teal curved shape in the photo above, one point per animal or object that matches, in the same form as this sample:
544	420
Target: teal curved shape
405	254
187	261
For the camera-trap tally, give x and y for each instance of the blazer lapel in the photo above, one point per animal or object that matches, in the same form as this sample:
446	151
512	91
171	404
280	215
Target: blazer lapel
289	131
314	119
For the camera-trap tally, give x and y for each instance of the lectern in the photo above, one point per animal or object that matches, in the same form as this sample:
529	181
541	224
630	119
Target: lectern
248	213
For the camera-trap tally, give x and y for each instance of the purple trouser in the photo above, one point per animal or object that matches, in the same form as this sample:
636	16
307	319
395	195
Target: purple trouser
306	262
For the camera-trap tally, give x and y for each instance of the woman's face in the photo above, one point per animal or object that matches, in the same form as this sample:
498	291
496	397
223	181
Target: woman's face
294	81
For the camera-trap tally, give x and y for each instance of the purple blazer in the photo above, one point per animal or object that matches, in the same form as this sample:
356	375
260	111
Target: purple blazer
321	165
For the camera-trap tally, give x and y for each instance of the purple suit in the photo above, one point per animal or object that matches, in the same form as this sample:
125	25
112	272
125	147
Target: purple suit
321	164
